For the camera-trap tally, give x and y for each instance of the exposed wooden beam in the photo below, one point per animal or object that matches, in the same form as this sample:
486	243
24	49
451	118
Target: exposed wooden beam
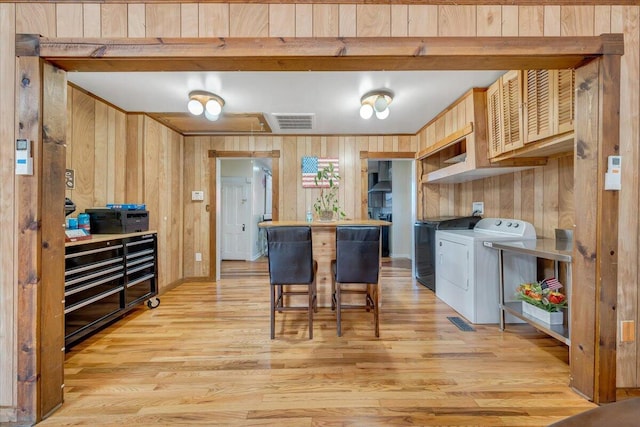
371	2
326	54
27	45
387	155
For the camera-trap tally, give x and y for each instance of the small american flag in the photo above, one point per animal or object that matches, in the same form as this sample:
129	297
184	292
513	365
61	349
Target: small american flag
551	283
310	167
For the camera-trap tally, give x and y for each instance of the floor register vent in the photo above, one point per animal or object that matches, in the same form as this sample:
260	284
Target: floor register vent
302	121
461	324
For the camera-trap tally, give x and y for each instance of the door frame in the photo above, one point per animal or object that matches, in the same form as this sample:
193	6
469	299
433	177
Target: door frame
597	60
214	179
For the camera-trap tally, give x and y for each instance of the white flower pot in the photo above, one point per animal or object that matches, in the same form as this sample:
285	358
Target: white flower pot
542	315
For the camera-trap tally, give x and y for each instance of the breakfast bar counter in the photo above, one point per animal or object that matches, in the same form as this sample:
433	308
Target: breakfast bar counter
323	234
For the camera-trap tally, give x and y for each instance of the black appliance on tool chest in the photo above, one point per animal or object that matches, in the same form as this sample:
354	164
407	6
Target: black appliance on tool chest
425	244
117	221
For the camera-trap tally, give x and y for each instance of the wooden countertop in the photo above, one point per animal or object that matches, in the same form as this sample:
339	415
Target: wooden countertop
104	237
324	224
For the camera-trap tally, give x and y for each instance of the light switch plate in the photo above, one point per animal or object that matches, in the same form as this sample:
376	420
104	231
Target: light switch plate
477	208
197	195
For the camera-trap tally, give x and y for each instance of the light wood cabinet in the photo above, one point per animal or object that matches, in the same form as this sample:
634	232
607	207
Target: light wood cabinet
504	101
530	113
548	103
456	147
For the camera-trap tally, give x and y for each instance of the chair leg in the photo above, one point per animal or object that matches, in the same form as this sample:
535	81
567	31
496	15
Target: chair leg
315	297
338	311
310	310
333	289
272	290
376	314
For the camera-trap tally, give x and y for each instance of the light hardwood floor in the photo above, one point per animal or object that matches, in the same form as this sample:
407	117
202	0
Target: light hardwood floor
204	357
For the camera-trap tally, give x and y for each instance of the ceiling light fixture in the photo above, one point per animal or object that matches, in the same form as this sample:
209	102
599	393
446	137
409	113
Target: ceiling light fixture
376	101
208	103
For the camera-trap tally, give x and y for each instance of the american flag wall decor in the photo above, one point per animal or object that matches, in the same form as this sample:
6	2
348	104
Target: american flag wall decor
310	167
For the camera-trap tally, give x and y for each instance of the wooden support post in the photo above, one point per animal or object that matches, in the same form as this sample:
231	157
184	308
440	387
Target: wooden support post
54	124
40	238
28	203
593	300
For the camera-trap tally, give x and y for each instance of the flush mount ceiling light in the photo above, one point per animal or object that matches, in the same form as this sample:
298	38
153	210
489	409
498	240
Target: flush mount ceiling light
376	101
208	103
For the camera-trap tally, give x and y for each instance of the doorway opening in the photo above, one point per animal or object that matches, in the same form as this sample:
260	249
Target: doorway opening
246	186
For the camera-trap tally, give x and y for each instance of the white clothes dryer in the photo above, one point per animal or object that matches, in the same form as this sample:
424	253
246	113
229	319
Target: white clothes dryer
467	273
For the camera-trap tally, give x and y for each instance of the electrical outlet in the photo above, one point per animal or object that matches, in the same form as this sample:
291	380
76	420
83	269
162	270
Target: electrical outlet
197	195
477	208
198	256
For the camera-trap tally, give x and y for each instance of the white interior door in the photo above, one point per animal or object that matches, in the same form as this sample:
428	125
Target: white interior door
236	210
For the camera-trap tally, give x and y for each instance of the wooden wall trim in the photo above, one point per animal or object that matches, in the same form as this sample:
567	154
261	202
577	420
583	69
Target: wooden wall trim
374	155
348	53
274	154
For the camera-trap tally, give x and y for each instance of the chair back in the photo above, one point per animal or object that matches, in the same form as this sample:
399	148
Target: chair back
290	255
357	254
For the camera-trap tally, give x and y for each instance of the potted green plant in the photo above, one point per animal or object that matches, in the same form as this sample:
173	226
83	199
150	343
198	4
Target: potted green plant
326	205
541	302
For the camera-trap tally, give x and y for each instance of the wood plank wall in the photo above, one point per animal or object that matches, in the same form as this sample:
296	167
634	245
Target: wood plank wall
96	151
361	20
294	200
8	223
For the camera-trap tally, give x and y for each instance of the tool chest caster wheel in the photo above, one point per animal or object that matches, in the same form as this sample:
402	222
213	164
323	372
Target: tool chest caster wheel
153	302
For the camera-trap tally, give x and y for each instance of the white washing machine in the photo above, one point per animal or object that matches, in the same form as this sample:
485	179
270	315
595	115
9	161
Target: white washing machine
467	274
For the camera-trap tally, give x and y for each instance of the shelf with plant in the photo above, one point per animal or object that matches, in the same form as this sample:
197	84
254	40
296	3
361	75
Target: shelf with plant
542	300
327	205
538	295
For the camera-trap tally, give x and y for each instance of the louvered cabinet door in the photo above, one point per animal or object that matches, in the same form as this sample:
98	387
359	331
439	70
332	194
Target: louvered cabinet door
512	137
538	106
564	81
494	118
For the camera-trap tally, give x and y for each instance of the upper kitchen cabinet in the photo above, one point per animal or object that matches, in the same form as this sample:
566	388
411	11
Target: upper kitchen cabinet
535	117
504	100
548	103
455	144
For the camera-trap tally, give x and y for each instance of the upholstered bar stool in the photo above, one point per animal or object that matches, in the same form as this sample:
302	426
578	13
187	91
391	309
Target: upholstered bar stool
291	267
356	270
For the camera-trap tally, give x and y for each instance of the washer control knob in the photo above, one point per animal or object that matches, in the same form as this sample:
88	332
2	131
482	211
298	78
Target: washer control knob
508	224
516	225
498	221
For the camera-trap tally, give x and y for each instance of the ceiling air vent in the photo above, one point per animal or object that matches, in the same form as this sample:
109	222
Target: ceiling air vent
302	121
